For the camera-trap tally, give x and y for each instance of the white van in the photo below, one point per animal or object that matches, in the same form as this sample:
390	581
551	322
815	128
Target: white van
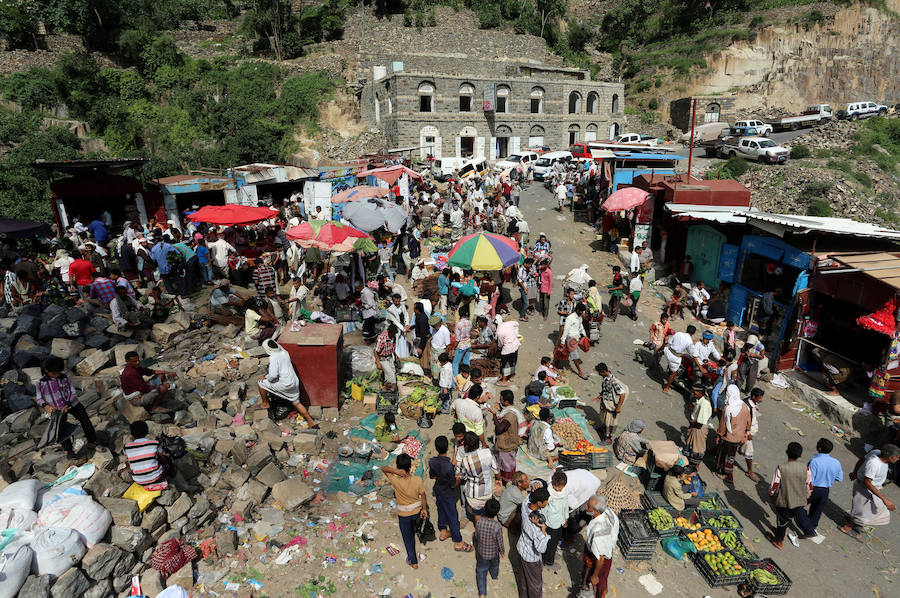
444	168
511	161
477	167
545	162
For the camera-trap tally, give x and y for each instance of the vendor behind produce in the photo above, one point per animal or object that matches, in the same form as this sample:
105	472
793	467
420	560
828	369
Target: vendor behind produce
541	443
673	491
386	431
630	447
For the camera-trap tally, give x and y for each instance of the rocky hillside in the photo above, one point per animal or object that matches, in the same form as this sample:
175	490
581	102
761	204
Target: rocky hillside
847	174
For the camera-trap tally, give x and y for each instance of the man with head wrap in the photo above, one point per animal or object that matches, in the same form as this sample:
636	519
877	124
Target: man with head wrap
734	426
630	447
600	539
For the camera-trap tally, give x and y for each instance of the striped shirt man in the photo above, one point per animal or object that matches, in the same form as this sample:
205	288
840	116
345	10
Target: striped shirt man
143	459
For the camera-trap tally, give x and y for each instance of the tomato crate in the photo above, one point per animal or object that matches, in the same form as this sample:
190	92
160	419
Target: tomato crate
582	461
779	589
707	518
717	580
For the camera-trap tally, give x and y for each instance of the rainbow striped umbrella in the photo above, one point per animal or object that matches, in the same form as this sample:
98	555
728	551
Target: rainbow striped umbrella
484	251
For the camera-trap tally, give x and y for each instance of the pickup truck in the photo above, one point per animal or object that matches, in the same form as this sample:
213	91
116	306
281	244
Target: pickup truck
713	147
637	138
764	151
764	128
813	115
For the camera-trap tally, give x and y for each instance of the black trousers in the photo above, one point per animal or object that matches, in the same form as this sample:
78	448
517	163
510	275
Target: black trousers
555	534
80	413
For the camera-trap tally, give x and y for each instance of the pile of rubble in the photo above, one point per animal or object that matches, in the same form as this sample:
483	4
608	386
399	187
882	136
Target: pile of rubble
836	135
238	462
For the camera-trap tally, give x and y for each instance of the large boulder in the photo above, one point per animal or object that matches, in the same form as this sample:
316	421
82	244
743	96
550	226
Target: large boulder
65	348
292	493
26	324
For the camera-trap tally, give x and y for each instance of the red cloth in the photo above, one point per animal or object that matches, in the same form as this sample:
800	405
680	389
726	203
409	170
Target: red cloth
882	320
80	272
132	379
171	556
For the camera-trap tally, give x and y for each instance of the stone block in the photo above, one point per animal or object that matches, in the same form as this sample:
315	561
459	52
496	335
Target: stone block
152	583
71	583
292	493
183	578
121	349
103	458
132	413
181	319
330	413
100	589
179	508
259	458
99	341
126	565
92	363
215	403
154	518
76	314
242	507
224	447
270	475
226	542
165	332
124	511
196	411
235	476
240	453
26	324
36	586
65	348
101	560
199	509
245	433
129	538
256	491
308	442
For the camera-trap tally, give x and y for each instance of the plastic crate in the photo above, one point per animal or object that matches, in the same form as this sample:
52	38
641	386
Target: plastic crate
707	516
652	499
635	529
630	553
666	533
752	556
568	462
685	532
601	460
779	589
566	403
716	580
721	504
386	402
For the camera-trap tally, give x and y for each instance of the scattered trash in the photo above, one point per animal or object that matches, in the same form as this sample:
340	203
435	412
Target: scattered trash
446	573
650	584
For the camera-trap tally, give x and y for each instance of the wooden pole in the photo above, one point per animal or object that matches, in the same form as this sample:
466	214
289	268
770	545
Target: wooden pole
691	147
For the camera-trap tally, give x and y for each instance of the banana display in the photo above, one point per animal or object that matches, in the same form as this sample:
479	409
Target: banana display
763	577
724	522
731	541
710	504
660	519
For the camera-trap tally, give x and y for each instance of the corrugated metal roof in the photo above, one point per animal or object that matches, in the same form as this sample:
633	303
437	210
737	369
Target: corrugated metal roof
835	226
646	156
710	213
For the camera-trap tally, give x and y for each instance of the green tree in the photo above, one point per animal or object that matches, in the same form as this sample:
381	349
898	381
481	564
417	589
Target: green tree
269	19
550	11
18	25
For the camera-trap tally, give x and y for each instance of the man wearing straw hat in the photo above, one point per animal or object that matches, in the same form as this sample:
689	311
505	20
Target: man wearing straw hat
281	381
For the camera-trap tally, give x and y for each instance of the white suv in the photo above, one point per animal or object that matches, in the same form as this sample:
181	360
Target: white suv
858	110
513	160
762	128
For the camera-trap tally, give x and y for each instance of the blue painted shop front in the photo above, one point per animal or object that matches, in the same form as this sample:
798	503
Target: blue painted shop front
757	265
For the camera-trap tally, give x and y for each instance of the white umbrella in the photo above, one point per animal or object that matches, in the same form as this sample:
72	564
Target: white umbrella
371	214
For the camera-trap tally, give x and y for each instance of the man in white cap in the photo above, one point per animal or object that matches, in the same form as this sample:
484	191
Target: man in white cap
600	539
281	381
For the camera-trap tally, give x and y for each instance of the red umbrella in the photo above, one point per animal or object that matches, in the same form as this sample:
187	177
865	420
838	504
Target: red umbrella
232	214
625	199
330	236
360	192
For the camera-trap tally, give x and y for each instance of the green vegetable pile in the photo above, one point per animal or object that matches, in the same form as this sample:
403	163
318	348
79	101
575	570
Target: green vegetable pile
730	540
566	392
709	505
660	519
764	577
724	522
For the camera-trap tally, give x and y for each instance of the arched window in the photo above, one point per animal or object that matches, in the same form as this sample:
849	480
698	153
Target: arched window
501	146
426	97
615	103
613	130
387	95
592	100
573	133
574	103
536	136
466	91
713	111
590	133
537	100
502	99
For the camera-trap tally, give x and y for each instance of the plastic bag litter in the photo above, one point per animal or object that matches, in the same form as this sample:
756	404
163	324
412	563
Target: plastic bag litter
412	368
677	548
14	569
77	511
56	549
361	360
21	494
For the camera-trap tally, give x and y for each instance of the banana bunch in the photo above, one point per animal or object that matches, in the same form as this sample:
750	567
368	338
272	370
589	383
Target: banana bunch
764	577
731	541
660	519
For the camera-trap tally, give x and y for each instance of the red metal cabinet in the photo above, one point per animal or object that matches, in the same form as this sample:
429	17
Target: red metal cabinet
316	352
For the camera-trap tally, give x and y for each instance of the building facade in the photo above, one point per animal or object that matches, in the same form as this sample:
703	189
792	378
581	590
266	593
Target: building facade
710	109
492	114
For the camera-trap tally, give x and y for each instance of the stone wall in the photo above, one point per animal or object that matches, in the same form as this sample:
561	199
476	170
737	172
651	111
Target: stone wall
680	110
403	123
12	61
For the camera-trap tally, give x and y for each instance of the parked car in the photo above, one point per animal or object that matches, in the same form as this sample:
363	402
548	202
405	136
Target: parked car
731	135
811	116
513	160
857	110
546	162
761	149
444	168
637	138
763	129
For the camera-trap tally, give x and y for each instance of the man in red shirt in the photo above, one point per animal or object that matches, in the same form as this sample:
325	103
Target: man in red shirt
137	390
81	274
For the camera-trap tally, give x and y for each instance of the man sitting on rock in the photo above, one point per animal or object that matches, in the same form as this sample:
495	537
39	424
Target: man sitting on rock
226	306
127	314
137	390
146	459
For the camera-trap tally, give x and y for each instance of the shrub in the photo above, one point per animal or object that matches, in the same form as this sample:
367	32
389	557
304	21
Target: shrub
815	195
653	104
736	166
800	151
819	207
291	45
756	21
863	179
814	17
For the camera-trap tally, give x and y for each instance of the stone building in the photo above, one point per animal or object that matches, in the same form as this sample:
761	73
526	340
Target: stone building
488	109
710	109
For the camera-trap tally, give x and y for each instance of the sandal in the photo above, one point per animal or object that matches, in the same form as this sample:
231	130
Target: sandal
774	542
443	537
852	533
463	548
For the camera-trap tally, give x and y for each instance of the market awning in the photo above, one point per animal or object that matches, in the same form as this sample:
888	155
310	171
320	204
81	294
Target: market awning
779	224
709	213
232	214
880	265
390	174
15	228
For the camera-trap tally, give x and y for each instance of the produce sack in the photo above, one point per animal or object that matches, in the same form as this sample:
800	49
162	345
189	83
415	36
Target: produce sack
74	477
361	360
14	568
16	518
55	550
21	494
143	497
677	548
77	511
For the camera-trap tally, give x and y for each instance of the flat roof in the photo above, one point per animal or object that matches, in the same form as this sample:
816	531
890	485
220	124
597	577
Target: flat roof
719	214
880	265
72	166
797	224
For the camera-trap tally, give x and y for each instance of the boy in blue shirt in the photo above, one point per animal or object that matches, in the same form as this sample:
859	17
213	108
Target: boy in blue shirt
202	252
824	470
443	290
